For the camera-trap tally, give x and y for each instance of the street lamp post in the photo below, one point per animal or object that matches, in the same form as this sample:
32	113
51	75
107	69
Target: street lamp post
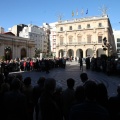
107	46
35	52
104	44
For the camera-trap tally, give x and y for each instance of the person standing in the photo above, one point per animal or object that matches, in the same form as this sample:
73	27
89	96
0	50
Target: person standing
84	77
88	63
81	63
68	97
89	109
48	106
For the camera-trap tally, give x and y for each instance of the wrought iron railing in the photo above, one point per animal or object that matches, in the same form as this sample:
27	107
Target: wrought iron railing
77	43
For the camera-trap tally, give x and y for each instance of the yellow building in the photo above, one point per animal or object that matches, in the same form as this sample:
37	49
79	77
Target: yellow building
84	37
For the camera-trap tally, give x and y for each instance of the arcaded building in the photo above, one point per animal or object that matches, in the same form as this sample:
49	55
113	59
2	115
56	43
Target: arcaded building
84	37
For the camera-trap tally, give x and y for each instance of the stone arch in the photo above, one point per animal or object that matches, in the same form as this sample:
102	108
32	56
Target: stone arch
79	53
99	52
61	53
23	53
70	53
8	53
89	52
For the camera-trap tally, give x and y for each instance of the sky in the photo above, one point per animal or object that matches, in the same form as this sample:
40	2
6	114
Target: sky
37	12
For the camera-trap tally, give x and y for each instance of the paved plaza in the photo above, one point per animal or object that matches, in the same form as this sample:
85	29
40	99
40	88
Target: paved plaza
72	70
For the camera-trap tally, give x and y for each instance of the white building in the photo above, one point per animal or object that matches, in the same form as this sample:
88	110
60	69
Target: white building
16	29
37	34
1	30
53	37
117	41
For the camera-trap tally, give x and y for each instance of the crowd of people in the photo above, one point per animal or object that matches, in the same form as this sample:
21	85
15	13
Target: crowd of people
20	100
107	65
29	64
88	101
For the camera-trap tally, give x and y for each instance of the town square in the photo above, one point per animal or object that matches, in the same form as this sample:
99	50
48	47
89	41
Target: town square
59	60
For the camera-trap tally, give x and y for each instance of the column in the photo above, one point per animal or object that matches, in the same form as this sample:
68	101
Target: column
2	49
84	53
64	53
60	54
56	53
18	51
13	52
75	52
15	48
66	37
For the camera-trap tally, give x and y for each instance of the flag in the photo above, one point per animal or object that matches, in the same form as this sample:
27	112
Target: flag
82	12
77	12
87	11
72	13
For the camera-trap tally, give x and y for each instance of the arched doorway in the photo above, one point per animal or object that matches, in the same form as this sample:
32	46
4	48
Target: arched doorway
70	53
79	53
100	52
61	53
8	53
23	53
89	53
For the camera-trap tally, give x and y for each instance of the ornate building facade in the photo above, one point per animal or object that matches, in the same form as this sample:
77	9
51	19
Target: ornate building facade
12	47
84	37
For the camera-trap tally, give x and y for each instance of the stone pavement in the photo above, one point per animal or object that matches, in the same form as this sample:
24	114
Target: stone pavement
72	70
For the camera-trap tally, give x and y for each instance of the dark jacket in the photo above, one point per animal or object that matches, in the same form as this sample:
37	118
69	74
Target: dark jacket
15	106
48	107
88	111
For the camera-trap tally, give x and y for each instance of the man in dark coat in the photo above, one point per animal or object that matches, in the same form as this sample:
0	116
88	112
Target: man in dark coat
15	106
89	110
48	107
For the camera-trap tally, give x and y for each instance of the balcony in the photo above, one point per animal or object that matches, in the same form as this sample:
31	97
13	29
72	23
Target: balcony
71	44
77	44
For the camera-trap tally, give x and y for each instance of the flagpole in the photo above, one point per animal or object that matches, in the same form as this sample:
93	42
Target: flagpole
82	12
87	11
77	13
72	14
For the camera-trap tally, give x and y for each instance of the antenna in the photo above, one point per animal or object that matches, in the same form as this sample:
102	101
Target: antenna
104	10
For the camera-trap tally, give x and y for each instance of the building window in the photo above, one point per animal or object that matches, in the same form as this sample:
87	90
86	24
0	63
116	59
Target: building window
61	40
79	26
54	40
61	28
118	50
70	28
100	25
79	39
118	44
118	39
99	39
89	39
88	25
70	40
